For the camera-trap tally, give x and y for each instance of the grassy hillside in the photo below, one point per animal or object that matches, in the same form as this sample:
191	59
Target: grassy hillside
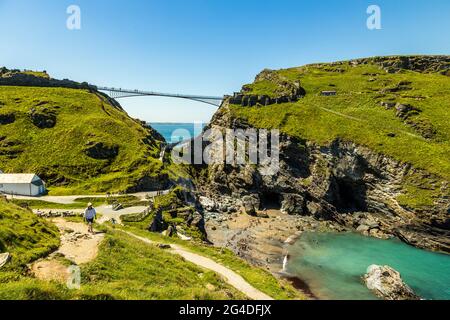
25	236
124	269
400	111
76	141
261	279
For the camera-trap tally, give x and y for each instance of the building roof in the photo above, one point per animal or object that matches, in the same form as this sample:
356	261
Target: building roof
16	177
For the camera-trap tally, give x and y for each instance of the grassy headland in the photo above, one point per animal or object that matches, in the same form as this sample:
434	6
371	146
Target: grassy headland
76	140
398	112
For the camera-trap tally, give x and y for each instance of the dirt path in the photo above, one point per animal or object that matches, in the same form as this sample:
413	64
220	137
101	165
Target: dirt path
229	275
77	245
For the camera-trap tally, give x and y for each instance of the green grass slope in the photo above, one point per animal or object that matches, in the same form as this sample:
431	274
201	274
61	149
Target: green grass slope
125	268
76	141
25	236
365	108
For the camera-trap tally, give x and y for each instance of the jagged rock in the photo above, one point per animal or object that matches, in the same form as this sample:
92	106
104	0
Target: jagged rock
388	105
4	258
44	119
394	64
386	283
146	183
370	222
171	231
404	111
362	228
292	203
101	151
7	118
158	224
251	204
208	204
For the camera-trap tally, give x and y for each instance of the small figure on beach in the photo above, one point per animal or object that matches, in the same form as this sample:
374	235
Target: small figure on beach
89	216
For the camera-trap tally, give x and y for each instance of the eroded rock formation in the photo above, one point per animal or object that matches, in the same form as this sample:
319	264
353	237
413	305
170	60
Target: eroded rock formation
386	283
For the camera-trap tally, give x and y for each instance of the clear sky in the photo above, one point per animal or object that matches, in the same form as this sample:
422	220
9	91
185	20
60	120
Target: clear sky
209	47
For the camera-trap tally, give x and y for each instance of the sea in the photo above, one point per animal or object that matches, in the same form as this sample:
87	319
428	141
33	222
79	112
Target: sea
332	265
178	132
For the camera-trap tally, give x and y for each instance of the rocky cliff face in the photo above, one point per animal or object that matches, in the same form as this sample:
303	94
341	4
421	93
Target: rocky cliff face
342	182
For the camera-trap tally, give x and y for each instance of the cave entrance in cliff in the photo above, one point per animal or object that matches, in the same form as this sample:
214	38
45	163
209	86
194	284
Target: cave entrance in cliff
270	201
351	196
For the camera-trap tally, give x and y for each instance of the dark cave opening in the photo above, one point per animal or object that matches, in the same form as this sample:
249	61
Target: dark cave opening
270	201
350	196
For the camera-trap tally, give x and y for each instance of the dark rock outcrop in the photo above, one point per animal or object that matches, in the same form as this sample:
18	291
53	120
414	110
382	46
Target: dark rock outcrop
293	203
43	120
251	204
158	224
286	91
101	151
7	118
150	183
424	64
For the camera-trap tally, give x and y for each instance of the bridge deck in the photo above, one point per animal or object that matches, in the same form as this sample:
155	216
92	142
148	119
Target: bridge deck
119	93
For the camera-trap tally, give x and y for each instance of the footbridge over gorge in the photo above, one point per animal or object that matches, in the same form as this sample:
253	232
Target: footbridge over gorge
118	93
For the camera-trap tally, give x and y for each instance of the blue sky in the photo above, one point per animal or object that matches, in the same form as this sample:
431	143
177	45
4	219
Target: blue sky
209	47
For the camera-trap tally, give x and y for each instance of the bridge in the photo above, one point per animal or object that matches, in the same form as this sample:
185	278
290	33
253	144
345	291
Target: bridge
120	93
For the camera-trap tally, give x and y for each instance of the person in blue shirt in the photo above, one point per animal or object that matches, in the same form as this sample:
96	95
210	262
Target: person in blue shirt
89	216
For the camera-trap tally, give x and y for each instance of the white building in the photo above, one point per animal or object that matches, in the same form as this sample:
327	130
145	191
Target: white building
23	184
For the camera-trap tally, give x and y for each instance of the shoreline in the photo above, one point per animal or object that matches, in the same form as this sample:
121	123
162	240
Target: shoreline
262	241
300	285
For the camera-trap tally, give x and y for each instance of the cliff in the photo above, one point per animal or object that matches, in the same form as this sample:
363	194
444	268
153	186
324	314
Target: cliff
373	157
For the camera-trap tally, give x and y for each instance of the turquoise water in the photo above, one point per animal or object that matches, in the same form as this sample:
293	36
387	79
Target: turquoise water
332	265
177	132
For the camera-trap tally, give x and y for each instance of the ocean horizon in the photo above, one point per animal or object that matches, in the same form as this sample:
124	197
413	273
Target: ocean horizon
174	132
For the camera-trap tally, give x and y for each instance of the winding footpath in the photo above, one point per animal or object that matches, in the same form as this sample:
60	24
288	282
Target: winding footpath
229	275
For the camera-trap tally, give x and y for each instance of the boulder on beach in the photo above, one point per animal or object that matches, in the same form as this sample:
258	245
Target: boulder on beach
386	283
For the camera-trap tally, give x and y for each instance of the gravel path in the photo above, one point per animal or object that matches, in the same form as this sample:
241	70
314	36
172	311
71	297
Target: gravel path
229	275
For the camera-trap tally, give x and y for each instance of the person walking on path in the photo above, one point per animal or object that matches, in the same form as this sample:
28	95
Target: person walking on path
89	216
